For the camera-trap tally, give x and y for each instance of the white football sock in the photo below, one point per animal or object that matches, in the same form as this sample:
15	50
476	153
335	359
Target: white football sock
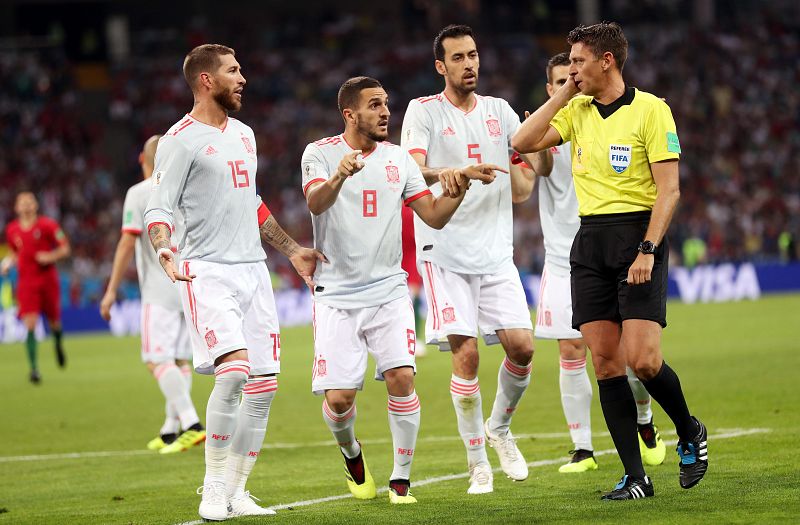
173	386
576	399
644	414
251	427
466	394
404	415
172	425
512	381
221	413
186	370
343	428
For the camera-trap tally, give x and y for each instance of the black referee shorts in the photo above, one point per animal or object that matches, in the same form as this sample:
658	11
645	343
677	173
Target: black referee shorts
603	250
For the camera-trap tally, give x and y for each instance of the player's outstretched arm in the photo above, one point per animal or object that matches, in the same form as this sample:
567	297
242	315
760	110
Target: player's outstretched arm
321	195
122	258
303	259
437	212
159	234
536	133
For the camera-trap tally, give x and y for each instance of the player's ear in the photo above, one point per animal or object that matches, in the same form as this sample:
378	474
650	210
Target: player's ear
205	80
440	67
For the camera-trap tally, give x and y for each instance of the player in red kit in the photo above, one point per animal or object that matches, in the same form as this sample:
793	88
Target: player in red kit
36	243
409	264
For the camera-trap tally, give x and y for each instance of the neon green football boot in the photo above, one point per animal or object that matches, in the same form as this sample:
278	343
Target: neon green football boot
651	447
582	461
359	480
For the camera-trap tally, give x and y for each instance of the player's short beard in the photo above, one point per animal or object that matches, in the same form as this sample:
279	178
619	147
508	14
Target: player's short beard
373	134
227	100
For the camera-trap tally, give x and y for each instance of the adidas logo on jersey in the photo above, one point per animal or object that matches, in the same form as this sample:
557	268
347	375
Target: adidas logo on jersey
210	150
448	132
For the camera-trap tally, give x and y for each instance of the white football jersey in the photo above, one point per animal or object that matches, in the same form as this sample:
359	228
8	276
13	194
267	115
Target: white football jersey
154	285
360	233
479	237
209	175
558	208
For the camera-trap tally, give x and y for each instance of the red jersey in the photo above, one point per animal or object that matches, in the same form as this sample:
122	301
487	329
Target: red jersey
45	235
409	261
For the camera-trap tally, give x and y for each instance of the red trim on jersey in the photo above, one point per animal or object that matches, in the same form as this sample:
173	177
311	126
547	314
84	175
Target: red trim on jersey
312	181
418	150
263	213
135	231
417	196
458	108
423	100
185	124
363	155
221	130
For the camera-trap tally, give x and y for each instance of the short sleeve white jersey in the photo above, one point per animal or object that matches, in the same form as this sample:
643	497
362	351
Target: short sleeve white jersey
479	237
360	233
209	175
558	208
154	285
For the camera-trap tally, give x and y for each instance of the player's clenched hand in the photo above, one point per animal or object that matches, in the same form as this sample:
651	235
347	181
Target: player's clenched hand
482	172
44	258
641	270
453	183
350	164
167	261
304	261
105	305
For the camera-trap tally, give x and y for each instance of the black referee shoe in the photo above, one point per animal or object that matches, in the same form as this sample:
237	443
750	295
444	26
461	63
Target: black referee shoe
631	488
694	457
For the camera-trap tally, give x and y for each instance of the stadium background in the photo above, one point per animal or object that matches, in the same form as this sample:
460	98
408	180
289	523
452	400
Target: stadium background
83	84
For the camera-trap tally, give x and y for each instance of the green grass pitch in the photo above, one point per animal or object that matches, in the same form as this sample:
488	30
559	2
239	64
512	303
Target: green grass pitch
739	364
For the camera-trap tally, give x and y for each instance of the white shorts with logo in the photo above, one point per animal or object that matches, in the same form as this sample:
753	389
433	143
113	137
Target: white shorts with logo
342	339
554	312
231	307
164	335
463	304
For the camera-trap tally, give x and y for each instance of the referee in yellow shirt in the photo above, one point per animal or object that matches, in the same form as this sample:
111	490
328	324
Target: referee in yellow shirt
625	153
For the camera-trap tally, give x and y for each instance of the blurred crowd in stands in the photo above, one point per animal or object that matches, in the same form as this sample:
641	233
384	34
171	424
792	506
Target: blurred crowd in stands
732	89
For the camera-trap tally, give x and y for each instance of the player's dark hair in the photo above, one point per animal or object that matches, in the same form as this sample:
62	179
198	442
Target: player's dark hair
351	89
601	38
451	31
203	59
561	59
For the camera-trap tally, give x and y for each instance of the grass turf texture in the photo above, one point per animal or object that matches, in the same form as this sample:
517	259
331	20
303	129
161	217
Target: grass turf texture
738	363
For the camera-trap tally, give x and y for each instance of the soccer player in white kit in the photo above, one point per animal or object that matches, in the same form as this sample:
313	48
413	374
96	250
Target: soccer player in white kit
468	271
558	211
165	341
205	167
355	185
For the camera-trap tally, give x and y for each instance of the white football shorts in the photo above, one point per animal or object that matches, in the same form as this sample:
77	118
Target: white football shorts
463	304
164	335
342	339
231	307
554	312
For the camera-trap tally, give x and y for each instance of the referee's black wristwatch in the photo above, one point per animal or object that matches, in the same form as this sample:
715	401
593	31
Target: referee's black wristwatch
647	247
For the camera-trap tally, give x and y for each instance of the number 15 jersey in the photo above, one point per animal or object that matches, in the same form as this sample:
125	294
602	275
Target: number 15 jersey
479	237
360	233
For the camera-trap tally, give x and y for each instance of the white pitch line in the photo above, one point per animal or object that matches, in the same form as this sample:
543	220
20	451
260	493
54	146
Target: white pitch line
292	446
730	433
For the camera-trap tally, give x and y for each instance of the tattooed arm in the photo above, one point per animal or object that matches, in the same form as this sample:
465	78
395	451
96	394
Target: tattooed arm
303	259
159	234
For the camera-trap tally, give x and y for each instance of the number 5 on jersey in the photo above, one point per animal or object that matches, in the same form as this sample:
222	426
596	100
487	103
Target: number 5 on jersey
241	179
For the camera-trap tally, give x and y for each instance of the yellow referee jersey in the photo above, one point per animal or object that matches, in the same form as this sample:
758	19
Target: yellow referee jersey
611	156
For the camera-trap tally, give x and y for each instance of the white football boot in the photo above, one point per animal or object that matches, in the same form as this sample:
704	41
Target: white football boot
511	460
214	505
481	479
243	505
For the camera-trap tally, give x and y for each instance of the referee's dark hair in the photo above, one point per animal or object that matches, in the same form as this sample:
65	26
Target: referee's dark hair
451	31
561	59
602	37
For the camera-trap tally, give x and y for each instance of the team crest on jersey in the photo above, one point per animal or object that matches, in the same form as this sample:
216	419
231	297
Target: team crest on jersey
248	145
494	127
392	174
157	176
449	315
211	339
322	368
619	155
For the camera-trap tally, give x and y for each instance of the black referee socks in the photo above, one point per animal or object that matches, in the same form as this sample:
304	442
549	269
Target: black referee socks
619	410
665	388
